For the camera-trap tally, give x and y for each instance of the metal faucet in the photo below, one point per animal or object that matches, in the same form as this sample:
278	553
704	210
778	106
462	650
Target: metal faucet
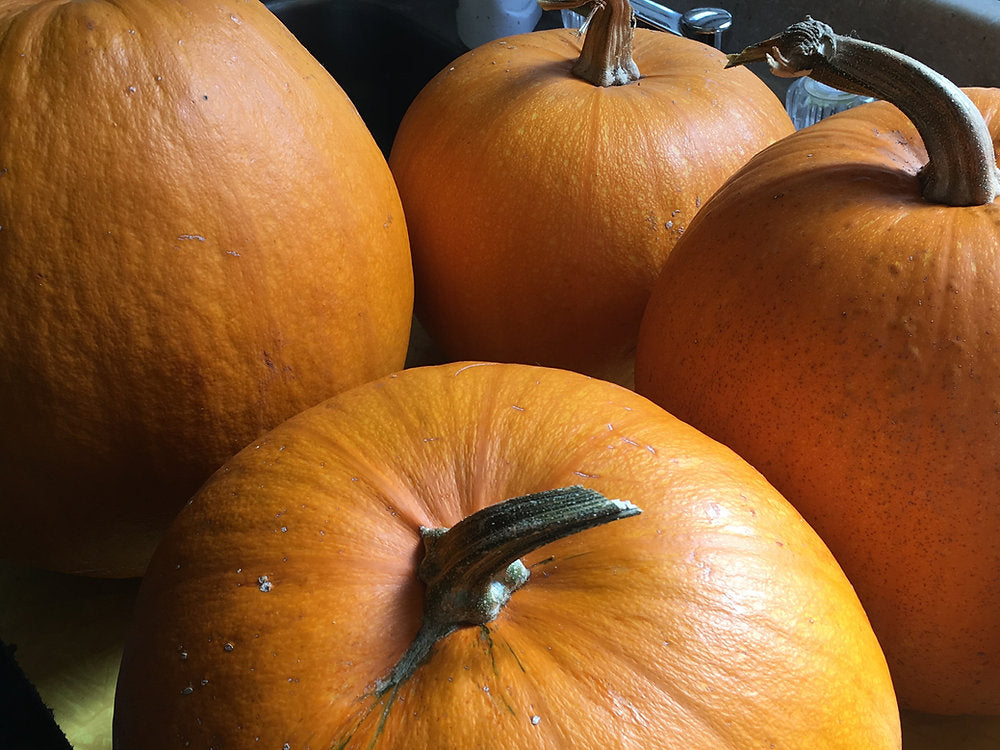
704	24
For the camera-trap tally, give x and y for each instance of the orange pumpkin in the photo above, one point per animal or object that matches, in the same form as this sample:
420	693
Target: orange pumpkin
293	602
836	324
198	239
544	185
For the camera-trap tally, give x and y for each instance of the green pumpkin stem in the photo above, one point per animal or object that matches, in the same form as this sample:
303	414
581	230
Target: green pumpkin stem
472	569
606	57
961	168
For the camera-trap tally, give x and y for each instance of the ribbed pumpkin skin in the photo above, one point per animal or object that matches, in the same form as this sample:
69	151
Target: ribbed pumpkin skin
841	334
198	239
715	619
541	207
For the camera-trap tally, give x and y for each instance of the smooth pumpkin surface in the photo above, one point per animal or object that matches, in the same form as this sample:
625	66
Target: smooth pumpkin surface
840	333
287	589
541	206
198	239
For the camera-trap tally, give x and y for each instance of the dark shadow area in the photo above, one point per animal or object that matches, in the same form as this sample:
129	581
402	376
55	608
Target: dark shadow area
378	53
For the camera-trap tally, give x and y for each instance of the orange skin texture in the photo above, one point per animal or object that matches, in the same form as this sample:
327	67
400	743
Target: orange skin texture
841	335
541	207
199	239
715	619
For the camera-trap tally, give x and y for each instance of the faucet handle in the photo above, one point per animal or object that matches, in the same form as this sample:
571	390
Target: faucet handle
708	25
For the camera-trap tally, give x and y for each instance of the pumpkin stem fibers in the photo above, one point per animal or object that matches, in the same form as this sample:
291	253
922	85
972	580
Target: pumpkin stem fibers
962	166
472	569
606	57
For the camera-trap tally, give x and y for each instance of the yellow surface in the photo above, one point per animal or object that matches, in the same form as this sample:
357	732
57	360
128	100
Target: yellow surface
69	632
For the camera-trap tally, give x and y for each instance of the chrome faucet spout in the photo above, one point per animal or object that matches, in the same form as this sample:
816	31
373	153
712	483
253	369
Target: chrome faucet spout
658	16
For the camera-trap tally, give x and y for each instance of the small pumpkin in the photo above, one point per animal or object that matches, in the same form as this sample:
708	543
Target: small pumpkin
545	182
390	569
832	316
198	239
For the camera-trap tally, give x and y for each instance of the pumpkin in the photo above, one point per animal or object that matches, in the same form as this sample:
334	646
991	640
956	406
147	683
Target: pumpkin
545	182
198	239
832	316
391	569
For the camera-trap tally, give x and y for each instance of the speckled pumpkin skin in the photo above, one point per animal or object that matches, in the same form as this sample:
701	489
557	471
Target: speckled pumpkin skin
198	239
715	620
541	207
843	336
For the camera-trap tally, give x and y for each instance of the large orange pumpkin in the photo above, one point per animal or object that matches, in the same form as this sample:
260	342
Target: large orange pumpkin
198	239
838	325
544	184
287	604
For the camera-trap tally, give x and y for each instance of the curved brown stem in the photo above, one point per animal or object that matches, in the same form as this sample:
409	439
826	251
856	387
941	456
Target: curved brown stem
961	169
606	57
472	569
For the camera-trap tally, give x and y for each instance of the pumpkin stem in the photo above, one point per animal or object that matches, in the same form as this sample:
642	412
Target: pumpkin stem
961	168
606	57
472	569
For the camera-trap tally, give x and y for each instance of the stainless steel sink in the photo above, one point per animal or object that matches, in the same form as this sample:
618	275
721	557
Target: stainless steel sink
382	52
958	38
